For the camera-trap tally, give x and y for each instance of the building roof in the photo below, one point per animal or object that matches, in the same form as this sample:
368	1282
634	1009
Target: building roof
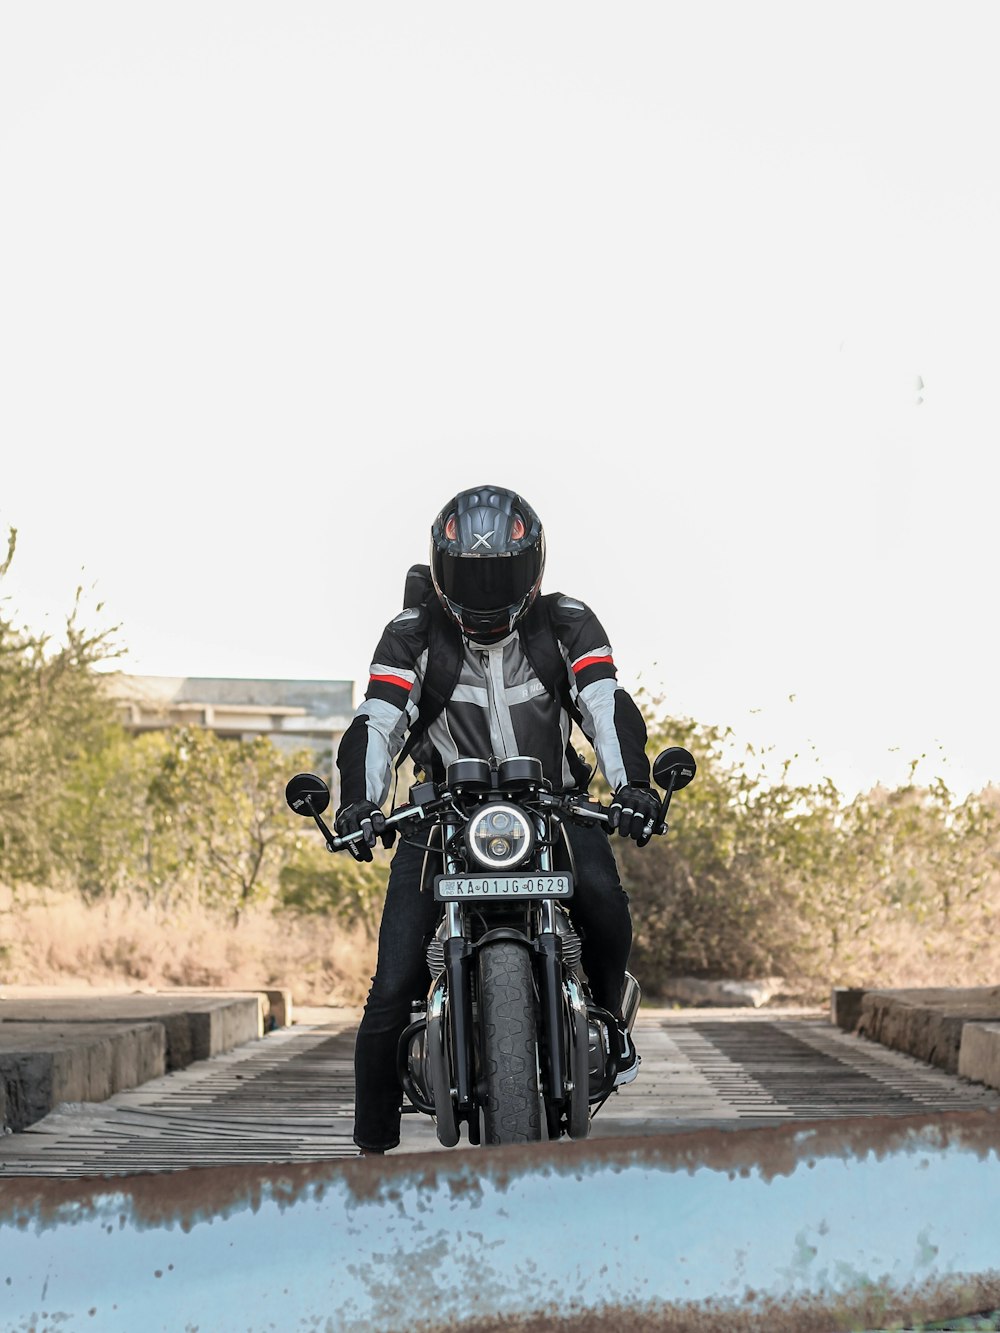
293	707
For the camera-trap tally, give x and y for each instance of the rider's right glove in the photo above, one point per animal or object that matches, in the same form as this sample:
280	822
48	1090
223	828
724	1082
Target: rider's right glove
367	818
635	813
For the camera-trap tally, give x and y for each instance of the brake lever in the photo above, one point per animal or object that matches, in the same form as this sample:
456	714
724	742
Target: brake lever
591	810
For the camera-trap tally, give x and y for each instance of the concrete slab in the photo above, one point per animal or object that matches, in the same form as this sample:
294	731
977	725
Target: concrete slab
276	1002
927	1022
845	1006
196	1025
979	1054
86	1046
43	1064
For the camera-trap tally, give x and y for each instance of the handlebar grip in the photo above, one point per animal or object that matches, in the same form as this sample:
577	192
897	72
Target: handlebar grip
338	843
404	812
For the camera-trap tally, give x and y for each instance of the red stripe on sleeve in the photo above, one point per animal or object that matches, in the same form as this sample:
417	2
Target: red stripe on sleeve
589	661
394	680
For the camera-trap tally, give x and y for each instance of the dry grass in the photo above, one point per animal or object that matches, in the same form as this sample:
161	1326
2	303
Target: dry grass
48	937
897	951
908	953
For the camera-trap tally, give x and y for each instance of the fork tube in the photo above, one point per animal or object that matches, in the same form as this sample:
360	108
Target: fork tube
457	952
549	948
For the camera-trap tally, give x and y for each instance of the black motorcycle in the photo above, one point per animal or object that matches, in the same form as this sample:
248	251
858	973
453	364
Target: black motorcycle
508	1040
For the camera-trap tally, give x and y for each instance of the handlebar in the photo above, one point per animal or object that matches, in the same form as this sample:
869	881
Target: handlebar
576	807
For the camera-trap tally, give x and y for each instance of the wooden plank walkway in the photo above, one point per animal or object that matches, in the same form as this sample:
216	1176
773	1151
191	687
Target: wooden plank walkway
290	1096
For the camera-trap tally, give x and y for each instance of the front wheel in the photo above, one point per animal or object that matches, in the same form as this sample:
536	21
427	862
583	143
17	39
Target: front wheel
509	1034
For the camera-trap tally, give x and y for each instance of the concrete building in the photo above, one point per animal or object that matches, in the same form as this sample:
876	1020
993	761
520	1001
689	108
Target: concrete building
292	713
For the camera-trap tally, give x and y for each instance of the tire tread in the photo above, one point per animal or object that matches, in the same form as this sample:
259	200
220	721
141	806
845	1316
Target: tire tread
512	1110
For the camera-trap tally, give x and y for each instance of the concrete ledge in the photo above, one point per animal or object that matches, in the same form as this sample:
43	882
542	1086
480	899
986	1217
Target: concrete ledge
280	1002
979	1054
222	1026
57	1047
845	1006
927	1023
276	1004
43	1064
196	1025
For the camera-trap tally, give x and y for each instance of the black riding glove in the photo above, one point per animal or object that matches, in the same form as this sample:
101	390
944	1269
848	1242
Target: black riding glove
366	817
635	813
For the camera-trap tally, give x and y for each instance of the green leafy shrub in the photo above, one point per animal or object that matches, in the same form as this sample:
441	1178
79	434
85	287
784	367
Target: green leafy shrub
761	876
312	882
54	712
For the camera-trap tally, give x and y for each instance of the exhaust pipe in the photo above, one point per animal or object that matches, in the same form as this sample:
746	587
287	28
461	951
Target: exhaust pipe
631	995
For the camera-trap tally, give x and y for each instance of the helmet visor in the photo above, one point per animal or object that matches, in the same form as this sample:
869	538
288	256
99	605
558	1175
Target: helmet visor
488	583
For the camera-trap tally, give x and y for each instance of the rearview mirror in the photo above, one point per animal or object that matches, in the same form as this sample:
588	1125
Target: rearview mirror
307	794
674	763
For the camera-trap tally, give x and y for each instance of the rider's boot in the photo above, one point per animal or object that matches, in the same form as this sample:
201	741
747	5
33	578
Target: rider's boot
629	1058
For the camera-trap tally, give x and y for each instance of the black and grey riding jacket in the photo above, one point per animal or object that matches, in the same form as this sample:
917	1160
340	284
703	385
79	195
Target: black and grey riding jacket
498	706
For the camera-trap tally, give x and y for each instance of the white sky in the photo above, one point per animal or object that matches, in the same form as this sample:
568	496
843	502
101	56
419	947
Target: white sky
277	280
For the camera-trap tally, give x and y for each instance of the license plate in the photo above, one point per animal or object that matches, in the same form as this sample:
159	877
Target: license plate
450	888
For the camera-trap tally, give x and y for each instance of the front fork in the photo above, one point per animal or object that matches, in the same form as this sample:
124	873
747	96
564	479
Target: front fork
548	946
458	954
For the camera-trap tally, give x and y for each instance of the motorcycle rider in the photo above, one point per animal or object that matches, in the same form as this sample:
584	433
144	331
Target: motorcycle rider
487	561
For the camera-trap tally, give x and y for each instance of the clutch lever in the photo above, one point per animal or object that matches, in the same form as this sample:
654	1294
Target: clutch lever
337	844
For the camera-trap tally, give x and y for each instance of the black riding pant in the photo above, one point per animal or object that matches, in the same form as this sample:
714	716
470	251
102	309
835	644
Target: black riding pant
599	909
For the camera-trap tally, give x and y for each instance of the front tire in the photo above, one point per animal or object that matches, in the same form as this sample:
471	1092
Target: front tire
509	1034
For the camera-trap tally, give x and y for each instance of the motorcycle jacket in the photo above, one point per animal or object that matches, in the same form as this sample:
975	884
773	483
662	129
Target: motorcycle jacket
496	702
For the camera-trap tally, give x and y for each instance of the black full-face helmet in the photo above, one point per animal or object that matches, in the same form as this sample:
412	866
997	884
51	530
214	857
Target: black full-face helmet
487	559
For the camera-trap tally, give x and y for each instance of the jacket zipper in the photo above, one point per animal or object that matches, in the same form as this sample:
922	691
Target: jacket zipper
493	662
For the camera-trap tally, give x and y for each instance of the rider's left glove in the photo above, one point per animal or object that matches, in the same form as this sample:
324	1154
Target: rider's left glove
364	817
635	813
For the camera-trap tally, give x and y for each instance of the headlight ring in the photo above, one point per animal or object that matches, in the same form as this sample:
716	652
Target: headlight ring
500	837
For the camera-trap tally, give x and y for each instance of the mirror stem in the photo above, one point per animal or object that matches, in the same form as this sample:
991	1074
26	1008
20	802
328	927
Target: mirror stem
331	842
665	803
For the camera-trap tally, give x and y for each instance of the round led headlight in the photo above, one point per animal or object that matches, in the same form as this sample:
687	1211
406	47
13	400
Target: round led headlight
500	836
